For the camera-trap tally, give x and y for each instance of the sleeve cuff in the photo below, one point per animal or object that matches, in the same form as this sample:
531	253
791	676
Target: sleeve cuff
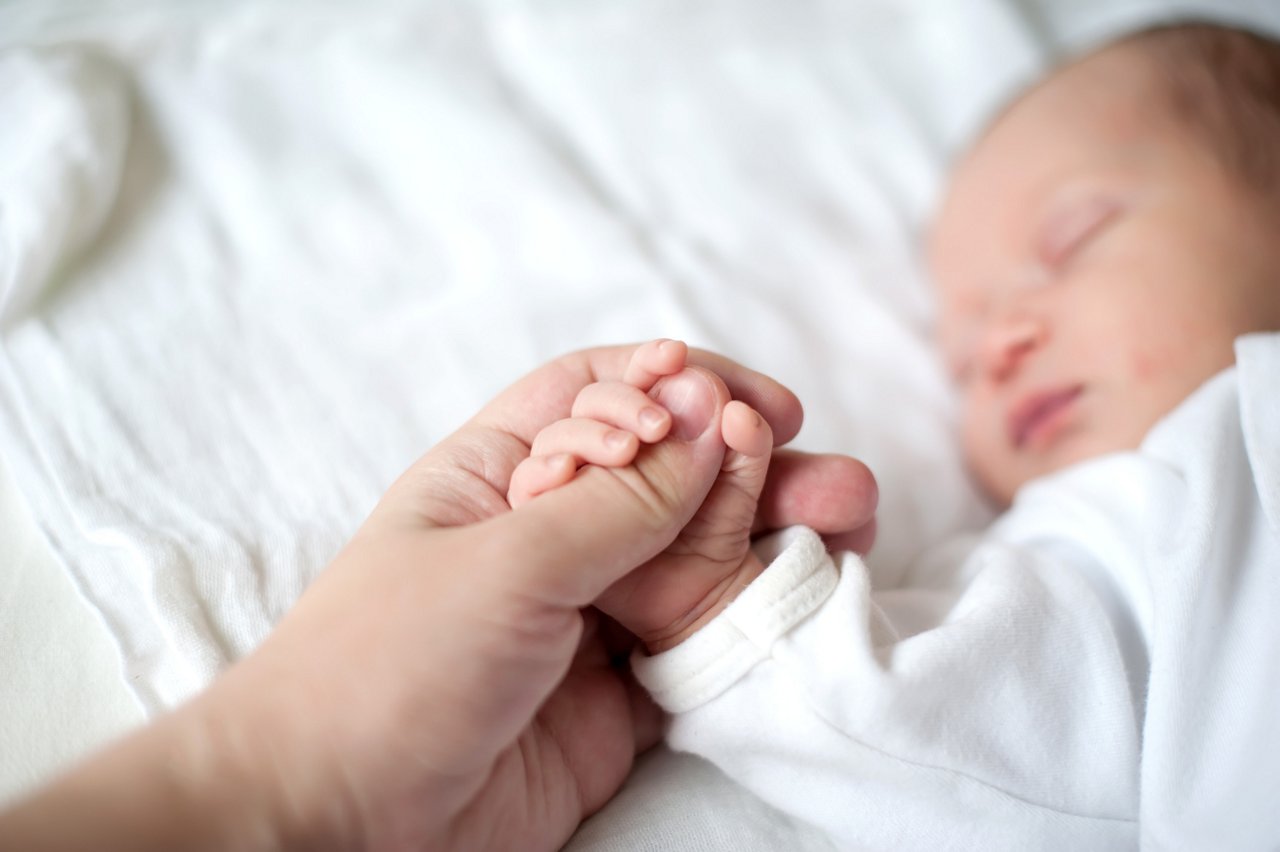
800	576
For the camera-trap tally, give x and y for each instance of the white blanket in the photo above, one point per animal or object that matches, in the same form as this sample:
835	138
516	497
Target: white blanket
254	259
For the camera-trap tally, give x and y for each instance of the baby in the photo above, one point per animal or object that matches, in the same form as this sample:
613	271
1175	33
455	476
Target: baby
1101	668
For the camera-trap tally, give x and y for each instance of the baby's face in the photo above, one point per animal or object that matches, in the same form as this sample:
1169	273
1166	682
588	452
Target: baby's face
1095	264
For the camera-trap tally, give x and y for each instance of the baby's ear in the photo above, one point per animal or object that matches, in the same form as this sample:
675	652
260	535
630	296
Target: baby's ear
66	117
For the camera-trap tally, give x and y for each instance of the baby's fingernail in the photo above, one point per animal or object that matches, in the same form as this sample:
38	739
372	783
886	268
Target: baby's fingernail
692	402
653	418
616	440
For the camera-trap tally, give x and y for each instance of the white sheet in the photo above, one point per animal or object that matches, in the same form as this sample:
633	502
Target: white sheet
256	259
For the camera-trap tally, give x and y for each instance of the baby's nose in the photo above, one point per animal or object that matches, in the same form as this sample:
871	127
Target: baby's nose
1008	342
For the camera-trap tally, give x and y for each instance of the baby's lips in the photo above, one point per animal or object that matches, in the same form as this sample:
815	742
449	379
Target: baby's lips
691	398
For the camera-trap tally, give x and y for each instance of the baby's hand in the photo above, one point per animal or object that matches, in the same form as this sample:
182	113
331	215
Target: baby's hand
606	426
678	591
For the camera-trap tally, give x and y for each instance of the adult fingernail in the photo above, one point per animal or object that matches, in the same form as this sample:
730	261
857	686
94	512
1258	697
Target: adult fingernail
692	402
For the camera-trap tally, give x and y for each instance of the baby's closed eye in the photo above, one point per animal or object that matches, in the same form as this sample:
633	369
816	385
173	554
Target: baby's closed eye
1071	226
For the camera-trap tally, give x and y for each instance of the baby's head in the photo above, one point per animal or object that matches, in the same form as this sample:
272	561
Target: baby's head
1105	241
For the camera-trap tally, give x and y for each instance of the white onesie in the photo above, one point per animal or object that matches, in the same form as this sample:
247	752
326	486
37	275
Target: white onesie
1100	670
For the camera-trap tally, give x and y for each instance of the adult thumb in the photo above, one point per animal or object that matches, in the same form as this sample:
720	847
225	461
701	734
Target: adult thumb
574	542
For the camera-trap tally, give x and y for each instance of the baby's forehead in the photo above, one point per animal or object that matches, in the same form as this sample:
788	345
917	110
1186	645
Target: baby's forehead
1117	83
1216	86
1057	140
1072	119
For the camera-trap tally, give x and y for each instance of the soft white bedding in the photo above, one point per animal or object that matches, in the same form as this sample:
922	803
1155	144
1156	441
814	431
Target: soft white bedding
254	259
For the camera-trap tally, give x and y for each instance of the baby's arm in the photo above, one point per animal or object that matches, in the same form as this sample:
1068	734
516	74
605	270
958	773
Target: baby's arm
684	587
985	710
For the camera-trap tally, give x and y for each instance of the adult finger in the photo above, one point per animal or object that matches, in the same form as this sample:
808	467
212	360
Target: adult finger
859	541
833	494
775	401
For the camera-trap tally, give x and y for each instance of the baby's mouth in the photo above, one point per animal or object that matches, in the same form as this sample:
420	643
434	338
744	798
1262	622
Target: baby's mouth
1036	419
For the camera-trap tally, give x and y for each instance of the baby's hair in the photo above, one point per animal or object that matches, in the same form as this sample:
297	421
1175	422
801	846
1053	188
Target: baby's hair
1225	84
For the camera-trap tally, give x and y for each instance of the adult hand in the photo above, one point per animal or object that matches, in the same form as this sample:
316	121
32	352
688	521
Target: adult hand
585	727
438	686
835	495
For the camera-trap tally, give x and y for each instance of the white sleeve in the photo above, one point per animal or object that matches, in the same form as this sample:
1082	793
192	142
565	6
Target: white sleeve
988	708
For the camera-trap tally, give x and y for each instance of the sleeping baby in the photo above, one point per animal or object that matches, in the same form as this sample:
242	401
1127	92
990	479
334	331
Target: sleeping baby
1101	668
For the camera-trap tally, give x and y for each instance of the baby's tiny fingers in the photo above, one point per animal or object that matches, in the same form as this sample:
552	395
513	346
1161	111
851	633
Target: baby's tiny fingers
745	431
746	462
589	441
537	474
653	360
624	407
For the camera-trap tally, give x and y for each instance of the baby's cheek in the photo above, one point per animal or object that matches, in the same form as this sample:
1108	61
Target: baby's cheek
1181	357
1144	366
1153	352
1130	349
978	441
998	469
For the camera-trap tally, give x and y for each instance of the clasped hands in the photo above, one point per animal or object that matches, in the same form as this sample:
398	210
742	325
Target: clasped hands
444	683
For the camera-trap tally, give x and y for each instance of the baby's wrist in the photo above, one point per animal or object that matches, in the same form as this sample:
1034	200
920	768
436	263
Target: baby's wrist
714	603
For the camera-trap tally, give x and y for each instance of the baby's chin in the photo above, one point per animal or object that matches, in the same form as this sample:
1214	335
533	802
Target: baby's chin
1001	480
1001	484
997	489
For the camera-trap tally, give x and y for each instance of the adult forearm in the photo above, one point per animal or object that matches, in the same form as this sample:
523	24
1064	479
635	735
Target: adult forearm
199	779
